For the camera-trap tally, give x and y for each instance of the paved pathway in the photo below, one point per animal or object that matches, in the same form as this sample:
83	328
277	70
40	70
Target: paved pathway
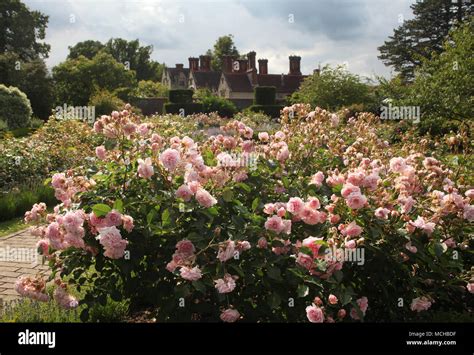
18	257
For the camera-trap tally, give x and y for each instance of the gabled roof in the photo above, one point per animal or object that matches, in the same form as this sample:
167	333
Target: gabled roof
172	72
290	83
206	79
238	82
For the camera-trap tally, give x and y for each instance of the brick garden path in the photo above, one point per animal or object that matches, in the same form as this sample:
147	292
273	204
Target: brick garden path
26	262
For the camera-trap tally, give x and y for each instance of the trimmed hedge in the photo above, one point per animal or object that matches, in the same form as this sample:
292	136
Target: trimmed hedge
264	95
189	108
181	96
225	108
270	110
16	203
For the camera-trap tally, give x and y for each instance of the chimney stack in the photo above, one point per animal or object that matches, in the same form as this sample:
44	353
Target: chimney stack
179	66
251	60
242	65
205	63
193	64
295	65
263	66
227	64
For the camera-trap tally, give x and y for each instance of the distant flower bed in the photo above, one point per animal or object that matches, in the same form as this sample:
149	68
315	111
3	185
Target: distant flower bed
58	145
321	221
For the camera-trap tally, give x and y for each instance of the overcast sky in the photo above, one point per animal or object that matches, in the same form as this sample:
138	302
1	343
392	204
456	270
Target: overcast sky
320	31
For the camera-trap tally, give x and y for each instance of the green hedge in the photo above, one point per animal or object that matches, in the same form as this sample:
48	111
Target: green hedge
181	96
16	203
223	107
265	95
15	108
270	110
189	108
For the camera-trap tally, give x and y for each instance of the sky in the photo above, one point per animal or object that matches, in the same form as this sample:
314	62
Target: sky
345	32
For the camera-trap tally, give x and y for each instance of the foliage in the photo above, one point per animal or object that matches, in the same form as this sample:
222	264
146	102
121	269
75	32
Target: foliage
21	30
180	96
105	102
30	77
414	40
332	89
16	202
264	95
224	46
212	103
183	108
148	88
15	108
269	110
76	80
130	53
164	221
57	145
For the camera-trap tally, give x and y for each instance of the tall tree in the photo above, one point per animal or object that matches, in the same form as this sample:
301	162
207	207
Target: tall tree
129	53
88	49
21	30
422	36
223	46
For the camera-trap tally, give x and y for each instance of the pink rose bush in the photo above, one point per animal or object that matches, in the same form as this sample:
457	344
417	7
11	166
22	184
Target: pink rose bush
327	218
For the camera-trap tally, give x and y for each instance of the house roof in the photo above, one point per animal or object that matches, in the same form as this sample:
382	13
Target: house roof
238	82
290	83
172	72
206	79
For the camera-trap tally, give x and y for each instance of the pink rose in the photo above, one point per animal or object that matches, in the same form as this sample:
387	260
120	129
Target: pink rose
314	314
352	230
230	315
262	243
305	261
348	189
397	165
113	218
185	246
226	251
184	192
145	169
204	198
382	213
112	242
225	285
420	304
100	151
313	244
317	179
356	200
470	287
274	224
469	212
332	299
263	136
190	274
170	159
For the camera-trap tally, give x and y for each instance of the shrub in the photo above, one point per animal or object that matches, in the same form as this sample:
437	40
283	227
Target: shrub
185	108
150	89
212	103
181	96
15	108
177	221
105	102
36	123
265	95
269	110
3	127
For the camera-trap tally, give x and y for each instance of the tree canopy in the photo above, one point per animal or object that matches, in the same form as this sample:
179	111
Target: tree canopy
224	46
420	37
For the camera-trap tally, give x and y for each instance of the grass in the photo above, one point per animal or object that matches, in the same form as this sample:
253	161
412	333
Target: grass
12	226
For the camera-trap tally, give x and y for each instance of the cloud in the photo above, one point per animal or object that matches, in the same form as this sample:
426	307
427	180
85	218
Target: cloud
326	32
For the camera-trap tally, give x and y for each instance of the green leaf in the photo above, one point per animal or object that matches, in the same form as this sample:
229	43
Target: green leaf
198	285
150	216
345	299
165	217
244	187
118	205
274	300
440	249
238	269
255	203
306	250
302	290
228	195
100	209
274	273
